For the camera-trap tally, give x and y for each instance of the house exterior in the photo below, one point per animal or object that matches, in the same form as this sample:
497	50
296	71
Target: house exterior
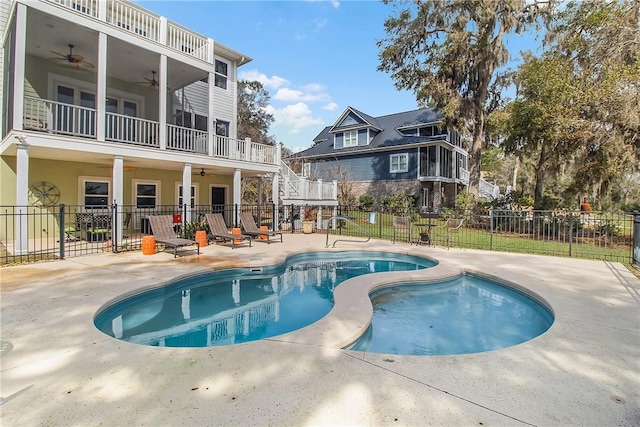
167	120
408	151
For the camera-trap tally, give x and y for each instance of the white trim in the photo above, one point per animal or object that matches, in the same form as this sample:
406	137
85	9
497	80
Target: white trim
134	192
82	179
399	155
54	80
344	138
177	186
226	193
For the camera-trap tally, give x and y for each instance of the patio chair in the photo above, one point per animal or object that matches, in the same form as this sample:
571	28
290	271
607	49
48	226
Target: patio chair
401	225
251	229
162	229
219	230
453	226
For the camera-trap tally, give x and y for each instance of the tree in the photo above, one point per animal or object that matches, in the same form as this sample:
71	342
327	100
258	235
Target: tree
253	119
577	108
449	53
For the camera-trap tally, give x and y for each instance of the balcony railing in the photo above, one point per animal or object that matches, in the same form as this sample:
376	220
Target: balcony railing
134	19
65	119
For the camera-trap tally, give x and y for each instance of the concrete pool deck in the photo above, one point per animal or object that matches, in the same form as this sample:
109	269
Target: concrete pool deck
58	369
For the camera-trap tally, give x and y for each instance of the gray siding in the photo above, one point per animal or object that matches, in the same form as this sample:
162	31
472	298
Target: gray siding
364	167
350	120
362	137
339	140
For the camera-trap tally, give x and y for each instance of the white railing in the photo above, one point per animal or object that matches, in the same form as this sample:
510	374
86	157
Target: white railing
132	130
463	174
86	7
67	119
134	19
186	139
180	38
58	118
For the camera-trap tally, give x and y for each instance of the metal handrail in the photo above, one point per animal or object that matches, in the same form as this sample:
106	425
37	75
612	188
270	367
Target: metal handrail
346	240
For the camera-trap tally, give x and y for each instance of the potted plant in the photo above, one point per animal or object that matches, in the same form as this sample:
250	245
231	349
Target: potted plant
308	219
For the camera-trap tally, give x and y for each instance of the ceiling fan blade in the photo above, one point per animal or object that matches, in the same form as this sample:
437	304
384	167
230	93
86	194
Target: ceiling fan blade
63	56
75	57
86	64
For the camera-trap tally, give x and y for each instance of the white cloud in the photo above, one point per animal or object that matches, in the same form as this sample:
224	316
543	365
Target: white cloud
294	116
330	106
320	23
273	82
293	95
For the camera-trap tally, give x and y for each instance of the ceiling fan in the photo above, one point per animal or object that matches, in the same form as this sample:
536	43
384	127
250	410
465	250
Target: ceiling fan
73	59
152	83
204	173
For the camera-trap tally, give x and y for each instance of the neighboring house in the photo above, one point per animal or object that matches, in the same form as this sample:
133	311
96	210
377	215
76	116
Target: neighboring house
409	152
110	102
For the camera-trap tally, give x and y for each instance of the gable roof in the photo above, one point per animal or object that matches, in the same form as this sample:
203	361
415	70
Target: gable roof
367	120
389	136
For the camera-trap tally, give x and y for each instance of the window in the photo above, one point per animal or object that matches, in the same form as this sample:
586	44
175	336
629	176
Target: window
221	74
399	163
146	194
95	194
222	128
194	193
351	138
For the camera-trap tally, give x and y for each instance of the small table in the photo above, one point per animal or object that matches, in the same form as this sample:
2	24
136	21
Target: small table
425	233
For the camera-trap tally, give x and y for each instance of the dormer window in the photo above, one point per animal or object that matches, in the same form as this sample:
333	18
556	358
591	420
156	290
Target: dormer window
351	138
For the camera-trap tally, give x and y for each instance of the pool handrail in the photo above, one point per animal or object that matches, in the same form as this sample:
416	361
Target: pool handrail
346	240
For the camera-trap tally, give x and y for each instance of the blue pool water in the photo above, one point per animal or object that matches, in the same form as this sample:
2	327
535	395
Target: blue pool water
468	314
239	305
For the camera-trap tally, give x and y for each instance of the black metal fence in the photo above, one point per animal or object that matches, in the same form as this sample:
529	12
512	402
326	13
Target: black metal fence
29	234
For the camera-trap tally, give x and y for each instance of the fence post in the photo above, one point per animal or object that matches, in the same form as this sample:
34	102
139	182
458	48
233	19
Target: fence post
292	219
63	235
570	232
490	229
636	239
114	227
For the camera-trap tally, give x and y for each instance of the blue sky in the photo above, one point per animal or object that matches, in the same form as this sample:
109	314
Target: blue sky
315	58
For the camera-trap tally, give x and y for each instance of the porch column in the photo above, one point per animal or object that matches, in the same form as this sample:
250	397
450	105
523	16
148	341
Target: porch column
22	197
101	89
118	191
278	158
19	66
237	181
437	195
162	102
186	190
211	134
335	190
275	198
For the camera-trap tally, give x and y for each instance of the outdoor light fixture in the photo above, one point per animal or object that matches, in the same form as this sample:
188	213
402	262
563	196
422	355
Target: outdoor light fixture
202	172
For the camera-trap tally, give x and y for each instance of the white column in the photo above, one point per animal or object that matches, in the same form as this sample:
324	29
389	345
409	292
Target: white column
275	198
237	180
22	197
101	88
211	134
186	190
19	65
320	190
278	158
163	30
162	102
118	198
335	190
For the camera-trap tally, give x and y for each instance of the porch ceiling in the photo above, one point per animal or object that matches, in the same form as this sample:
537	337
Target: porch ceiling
125	61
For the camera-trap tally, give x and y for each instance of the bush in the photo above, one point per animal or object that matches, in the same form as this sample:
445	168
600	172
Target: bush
399	204
366	202
191	227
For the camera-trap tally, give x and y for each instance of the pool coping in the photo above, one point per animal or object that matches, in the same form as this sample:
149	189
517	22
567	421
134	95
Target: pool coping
584	370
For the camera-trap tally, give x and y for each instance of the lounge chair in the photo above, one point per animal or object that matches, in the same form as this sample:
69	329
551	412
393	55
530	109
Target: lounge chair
250	228
401	225
219	230
162	229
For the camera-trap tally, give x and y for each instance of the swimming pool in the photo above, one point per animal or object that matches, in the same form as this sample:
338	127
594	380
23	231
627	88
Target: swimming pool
244	304
467	314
